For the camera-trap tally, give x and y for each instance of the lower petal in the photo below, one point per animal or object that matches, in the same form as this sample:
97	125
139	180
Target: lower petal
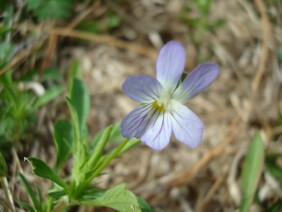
137	121
158	134
186	125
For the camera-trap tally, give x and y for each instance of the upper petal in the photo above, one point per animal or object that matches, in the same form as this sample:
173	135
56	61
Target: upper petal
197	81
157	136
142	88
170	64
138	121
187	126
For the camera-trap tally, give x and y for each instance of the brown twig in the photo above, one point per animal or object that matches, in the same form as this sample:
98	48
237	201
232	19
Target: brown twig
105	39
187	175
266	38
211	192
86	12
20	57
49	52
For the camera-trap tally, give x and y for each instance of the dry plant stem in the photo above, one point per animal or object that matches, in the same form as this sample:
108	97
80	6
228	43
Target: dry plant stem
105	39
211	192
266	36
49	52
73	23
8	193
16	159
186	176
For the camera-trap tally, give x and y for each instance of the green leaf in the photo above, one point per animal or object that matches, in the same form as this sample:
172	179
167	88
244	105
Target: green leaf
75	71
251	173
30	193
81	102
41	169
5	50
57	194
52	74
25	205
51	9
118	198
145	207
63	136
273	168
75	122
48	96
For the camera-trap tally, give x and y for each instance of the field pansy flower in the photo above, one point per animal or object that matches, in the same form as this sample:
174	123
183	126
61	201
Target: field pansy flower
162	110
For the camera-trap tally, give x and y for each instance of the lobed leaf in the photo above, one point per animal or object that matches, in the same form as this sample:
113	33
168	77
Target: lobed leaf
41	169
118	198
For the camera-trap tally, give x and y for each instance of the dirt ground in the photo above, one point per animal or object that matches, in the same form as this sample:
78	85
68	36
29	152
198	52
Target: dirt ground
246	97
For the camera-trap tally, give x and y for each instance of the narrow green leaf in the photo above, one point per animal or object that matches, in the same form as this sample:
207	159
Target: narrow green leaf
63	136
118	198
75	122
25	205
273	168
81	102
41	169
252	169
39	194
29	191
57	194
48	96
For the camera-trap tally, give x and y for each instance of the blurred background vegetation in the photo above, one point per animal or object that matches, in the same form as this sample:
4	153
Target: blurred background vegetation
44	44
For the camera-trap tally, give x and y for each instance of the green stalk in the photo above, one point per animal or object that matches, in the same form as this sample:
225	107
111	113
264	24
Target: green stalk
100	147
116	152
103	163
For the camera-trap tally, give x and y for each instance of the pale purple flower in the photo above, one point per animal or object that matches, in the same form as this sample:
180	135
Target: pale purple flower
162	110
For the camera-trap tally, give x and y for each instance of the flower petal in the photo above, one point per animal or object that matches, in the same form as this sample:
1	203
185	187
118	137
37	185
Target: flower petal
158	134
197	81
142	88
187	126
170	64
138	121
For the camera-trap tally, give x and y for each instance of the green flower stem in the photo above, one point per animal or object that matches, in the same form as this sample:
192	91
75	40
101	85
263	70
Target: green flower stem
104	161
132	143
100	147
109	158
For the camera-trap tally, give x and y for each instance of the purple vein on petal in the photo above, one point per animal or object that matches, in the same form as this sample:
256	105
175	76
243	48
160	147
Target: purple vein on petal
138	121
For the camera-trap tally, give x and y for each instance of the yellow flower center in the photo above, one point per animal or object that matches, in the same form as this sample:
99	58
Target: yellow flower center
159	107
163	103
